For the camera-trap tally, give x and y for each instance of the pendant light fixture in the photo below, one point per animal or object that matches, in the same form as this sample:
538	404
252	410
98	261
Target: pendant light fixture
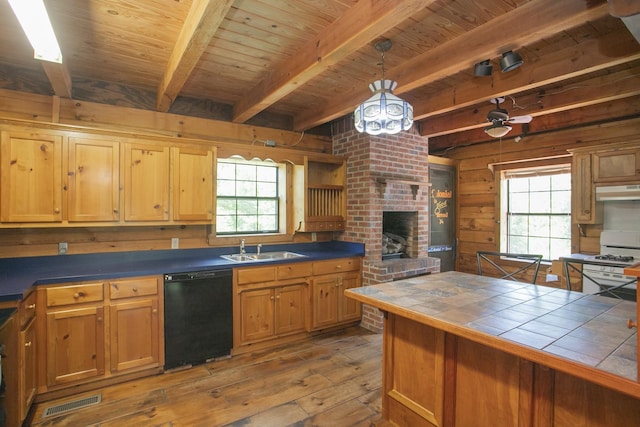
383	112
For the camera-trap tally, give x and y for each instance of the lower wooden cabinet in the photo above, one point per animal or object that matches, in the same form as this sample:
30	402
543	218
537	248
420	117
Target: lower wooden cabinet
95	331
270	302
329	305
279	301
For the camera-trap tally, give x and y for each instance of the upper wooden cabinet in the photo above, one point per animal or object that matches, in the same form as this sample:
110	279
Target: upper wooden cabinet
616	166
322	187
193	184
146	182
93	179
583	199
31	171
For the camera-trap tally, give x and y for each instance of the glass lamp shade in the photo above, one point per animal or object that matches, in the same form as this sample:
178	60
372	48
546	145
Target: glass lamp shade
383	113
497	130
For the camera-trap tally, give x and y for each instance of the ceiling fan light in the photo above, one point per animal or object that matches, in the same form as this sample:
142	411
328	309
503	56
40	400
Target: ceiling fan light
510	61
483	68
383	112
497	130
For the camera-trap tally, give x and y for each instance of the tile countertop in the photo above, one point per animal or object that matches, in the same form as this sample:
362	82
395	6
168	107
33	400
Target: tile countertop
581	334
19	274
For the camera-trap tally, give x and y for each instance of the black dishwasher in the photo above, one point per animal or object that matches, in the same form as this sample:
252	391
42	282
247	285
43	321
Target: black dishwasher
198	317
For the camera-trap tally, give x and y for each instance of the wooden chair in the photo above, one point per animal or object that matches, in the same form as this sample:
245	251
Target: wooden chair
531	262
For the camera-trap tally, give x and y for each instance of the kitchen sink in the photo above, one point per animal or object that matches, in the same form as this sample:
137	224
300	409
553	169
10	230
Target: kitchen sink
264	256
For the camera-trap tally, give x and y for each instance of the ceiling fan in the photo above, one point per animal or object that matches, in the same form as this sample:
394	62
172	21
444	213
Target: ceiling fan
500	120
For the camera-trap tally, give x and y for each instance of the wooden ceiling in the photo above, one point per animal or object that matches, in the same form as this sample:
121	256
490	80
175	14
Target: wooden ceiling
299	64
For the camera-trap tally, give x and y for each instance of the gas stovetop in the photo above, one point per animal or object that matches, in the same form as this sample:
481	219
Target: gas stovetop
619	258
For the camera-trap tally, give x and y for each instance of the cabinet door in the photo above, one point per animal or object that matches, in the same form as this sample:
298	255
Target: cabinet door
193	184
135	339
324	305
584	206
256	314
94	182
75	345
146	183
31	170
616	166
290	309
350	309
27	377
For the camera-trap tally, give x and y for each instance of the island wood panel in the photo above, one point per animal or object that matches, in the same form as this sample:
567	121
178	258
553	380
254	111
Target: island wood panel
433	378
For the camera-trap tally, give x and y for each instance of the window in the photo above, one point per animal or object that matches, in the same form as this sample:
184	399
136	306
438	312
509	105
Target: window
537	218
247	197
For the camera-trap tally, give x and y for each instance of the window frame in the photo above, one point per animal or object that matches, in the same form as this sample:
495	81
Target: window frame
503	198
280	199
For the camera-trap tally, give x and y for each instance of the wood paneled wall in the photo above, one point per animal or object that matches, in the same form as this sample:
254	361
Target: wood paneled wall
479	168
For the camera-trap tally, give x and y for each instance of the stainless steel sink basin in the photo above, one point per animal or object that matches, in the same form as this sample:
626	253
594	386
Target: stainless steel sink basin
238	257
264	256
276	255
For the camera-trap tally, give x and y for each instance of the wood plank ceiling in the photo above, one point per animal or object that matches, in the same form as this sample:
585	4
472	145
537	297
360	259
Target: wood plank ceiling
299	64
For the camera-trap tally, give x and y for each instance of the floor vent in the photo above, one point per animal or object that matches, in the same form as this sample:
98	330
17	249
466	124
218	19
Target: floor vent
72	405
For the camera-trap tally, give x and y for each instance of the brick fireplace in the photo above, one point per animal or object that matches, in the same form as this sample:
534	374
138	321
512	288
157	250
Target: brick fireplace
385	174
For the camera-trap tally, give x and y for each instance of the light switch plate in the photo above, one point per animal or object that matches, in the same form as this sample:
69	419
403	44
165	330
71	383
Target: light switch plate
175	243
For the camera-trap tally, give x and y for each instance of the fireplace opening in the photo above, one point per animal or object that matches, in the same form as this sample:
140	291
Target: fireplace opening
398	234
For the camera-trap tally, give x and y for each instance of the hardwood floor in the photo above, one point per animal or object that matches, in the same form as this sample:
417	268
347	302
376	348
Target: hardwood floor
330	380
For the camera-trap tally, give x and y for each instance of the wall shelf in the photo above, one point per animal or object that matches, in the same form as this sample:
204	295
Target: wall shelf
415	185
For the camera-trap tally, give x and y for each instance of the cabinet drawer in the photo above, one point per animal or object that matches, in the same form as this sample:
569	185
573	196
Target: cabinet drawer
75	294
253	275
290	271
27	309
133	287
336	266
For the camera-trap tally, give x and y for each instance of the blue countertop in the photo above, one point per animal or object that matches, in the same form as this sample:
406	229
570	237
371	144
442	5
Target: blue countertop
19	274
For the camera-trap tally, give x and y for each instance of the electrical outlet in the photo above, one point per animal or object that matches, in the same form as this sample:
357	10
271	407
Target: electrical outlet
270	143
314	236
63	248
175	243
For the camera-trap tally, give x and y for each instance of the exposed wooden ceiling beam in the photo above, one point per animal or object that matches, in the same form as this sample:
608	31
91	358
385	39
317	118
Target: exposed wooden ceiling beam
201	24
485	41
59	77
620	108
362	23
623	84
586	57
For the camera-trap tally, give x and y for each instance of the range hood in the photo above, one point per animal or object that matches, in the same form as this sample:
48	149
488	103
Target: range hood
618	192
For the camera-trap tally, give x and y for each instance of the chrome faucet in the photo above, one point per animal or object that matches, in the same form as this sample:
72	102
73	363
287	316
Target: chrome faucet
258	247
242	251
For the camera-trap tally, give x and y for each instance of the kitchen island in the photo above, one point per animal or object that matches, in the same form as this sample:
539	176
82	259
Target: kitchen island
467	350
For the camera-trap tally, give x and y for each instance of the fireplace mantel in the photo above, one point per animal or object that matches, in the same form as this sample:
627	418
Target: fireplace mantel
415	185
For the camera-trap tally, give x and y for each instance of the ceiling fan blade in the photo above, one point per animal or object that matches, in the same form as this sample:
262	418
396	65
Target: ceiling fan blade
520	119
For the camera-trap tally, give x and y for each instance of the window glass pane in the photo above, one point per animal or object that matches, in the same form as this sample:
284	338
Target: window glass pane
517	185
226	171
267	173
225	223
226	188
539	226
245	172
540	202
247	207
540	183
267	189
561	201
519	225
518	245
538	245
246	188
560	247
267	207
226	206
519	202
268	222
561	182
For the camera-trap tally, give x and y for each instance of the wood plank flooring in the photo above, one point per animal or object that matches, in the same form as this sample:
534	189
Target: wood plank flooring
329	380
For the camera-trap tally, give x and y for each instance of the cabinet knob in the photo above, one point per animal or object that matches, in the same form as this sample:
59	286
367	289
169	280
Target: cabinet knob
631	324
56	210
115	211
99	318
135	289
31	306
272	298
27	344
78	295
